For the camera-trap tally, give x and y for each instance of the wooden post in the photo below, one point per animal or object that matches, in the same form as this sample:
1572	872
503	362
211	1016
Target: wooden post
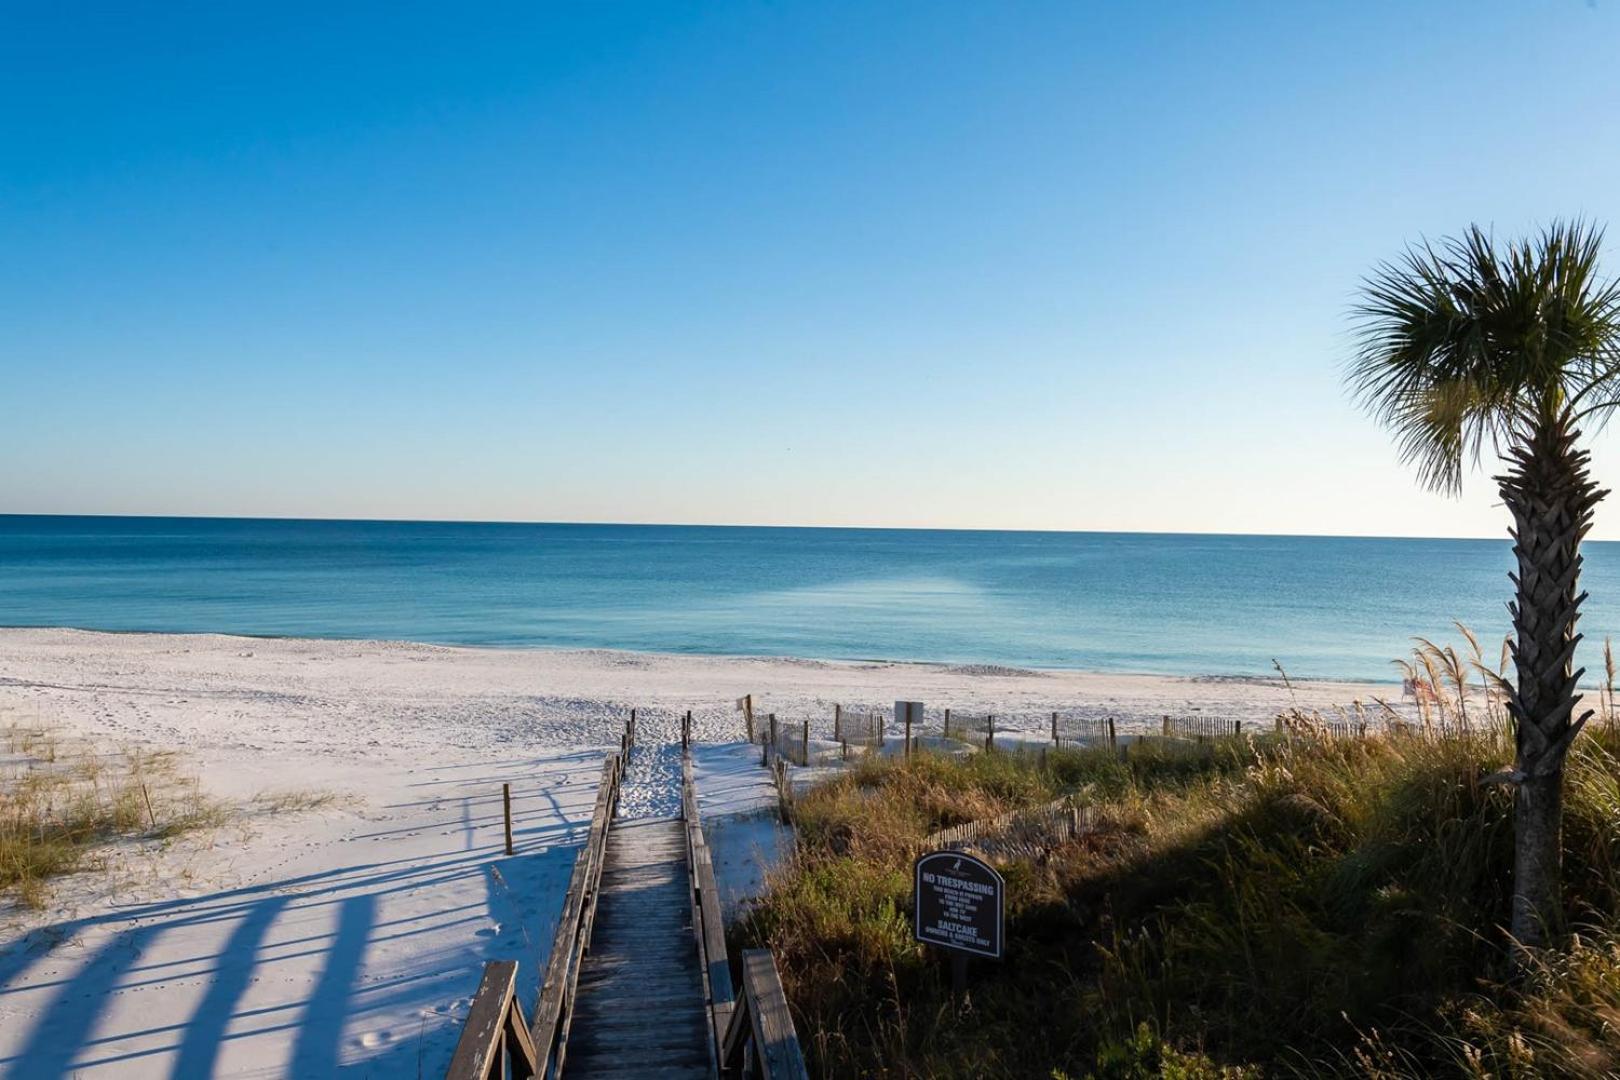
1167	727
1111	737
506	800
805	743
947	723
845	744
990	731
838	722
746	704
630	728
1237	727
773	729
1054	730
907	749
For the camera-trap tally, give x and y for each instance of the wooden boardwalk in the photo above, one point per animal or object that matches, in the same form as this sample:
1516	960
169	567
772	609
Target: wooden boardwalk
638	982
639	1009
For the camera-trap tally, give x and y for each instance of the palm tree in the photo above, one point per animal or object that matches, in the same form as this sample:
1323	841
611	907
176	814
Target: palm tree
1464	344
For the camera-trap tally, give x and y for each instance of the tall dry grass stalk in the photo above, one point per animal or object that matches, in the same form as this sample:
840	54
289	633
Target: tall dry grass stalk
1441	683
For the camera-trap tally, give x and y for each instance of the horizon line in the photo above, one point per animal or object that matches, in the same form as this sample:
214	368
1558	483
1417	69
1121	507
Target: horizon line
754	525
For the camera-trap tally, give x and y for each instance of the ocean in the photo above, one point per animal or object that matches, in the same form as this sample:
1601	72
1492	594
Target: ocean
1324	607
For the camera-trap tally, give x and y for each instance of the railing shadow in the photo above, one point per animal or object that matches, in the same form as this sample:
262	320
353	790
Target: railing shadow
353	969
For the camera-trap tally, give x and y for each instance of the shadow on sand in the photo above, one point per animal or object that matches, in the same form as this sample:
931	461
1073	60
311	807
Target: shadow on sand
278	976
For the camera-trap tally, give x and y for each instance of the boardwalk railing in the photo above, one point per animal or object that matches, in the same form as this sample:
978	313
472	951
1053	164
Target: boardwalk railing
753	1032
494	1040
555	1010
759	1041
708	924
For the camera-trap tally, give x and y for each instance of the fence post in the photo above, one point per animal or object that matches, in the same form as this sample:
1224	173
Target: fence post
838	722
746	704
506	801
845	744
947	723
1054	730
805	743
1167	727
1112	740
907	750
1237	727
990	731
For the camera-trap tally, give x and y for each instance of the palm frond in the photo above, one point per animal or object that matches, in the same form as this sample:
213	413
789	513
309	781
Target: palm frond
1462	344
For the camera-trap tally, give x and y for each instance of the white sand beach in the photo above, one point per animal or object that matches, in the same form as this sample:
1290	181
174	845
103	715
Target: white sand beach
349	937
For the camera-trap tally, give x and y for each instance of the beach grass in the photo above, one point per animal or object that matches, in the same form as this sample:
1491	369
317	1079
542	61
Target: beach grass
63	801
1273	905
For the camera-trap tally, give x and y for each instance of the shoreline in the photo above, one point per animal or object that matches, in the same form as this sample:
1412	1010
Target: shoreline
388	703
1020	669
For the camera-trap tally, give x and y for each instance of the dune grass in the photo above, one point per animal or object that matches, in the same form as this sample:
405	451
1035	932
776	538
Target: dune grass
1274	907
63	801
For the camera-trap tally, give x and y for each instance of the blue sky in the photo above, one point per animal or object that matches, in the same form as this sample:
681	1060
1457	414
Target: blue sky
952	264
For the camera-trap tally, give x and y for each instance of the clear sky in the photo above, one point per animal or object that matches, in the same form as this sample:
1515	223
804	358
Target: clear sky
969	264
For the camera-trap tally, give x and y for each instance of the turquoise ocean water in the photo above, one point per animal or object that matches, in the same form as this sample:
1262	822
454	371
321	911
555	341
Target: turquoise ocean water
1173	604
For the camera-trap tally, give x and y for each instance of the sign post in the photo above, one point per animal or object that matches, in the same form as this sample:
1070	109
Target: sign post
957	906
907	713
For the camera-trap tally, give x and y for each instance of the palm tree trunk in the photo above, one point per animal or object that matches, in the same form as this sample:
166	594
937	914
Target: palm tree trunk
1551	495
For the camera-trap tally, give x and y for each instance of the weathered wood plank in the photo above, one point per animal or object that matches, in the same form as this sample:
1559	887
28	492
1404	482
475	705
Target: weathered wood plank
640	1008
573	929
775	1040
708	922
491	1020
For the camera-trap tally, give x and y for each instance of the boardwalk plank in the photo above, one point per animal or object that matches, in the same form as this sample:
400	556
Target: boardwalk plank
639	1007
